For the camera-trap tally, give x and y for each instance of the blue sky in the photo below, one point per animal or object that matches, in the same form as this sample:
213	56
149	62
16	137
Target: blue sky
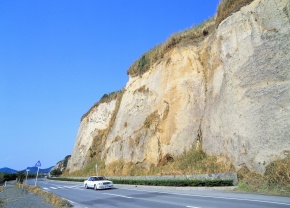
58	57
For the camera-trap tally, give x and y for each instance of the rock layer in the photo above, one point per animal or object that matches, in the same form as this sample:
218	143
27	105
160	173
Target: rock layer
229	95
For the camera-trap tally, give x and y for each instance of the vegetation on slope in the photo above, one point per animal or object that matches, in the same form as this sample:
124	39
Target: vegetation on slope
95	151
191	161
190	36
275	181
227	7
105	99
49	197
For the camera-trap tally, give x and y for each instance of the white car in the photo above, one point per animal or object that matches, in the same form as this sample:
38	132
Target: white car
98	182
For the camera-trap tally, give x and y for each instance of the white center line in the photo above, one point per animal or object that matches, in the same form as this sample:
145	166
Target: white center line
214	197
192	207
119	195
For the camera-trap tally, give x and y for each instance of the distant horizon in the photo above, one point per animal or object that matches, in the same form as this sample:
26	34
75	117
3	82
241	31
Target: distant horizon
30	168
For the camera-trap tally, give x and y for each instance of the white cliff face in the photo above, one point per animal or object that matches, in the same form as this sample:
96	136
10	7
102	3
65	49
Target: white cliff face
229	94
171	97
97	119
247	115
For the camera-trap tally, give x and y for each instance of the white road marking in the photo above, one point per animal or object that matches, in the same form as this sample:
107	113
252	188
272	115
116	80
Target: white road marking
128	197
192	207
214	197
63	187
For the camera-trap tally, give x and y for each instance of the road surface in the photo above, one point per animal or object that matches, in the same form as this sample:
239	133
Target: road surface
126	196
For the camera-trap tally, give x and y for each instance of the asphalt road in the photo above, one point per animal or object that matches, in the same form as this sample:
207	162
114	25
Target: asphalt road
126	196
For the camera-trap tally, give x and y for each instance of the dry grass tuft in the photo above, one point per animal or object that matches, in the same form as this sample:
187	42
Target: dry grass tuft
278	173
195	161
120	168
95	151
190	162
227	7
97	147
276	180
49	197
190	36
193	35
152	120
89	169
143	89
105	99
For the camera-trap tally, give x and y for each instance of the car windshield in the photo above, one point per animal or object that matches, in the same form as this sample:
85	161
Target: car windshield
99	178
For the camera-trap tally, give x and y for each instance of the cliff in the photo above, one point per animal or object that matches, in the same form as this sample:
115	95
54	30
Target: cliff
61	165
225	90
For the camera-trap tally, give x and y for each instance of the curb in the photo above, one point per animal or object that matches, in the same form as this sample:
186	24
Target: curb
224	188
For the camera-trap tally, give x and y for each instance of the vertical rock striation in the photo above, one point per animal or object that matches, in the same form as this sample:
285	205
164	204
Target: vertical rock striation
247	115
228	94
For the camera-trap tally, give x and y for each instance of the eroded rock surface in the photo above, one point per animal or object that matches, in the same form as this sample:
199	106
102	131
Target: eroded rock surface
229	94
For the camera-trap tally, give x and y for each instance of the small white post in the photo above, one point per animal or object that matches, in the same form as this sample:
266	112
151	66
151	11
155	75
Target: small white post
96	169
36	176
26	175
5	183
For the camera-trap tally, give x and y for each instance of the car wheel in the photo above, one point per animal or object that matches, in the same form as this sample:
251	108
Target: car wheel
95	187
86	186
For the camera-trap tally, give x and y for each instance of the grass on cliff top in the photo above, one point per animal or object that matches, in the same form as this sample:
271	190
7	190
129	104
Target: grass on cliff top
189	36
106	98
227	7
276	180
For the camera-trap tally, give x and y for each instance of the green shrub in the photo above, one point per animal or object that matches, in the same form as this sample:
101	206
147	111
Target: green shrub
171	182
56	172
177	183
7	177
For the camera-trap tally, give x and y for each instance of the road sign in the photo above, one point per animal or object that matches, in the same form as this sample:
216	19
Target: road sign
38	164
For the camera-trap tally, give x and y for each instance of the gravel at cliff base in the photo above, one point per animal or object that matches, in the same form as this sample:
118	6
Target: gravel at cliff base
12	197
